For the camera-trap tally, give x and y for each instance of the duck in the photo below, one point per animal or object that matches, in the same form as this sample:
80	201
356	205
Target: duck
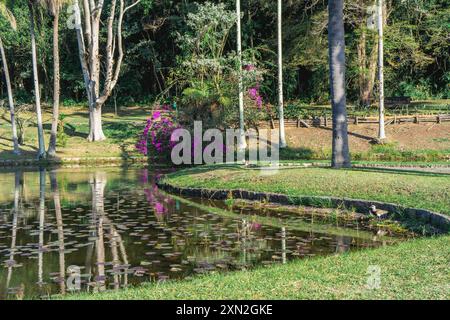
380	214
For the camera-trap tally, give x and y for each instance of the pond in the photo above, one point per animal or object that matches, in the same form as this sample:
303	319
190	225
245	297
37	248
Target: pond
109	228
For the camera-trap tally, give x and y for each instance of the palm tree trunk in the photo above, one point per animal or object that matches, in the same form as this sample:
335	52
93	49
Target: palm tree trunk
336	43
381	129
242	142
41	152
10	99
56	86
280	76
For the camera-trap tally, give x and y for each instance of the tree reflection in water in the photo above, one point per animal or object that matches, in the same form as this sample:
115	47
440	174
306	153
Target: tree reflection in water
113	228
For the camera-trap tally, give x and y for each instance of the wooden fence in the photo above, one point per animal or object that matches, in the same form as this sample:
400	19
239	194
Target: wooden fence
326	121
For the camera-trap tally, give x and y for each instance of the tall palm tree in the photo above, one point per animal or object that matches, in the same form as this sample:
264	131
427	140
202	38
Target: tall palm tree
381	129
54	8
37	95
336	44
283	143
12	21
242	142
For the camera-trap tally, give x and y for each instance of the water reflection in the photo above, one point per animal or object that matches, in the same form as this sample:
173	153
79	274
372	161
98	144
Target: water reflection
111	228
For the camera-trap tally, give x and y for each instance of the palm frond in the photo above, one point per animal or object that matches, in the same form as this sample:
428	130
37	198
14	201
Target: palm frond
53	6
7	14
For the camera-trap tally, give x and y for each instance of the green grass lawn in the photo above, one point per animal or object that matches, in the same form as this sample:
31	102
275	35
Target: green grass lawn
411	188
122	131
416	269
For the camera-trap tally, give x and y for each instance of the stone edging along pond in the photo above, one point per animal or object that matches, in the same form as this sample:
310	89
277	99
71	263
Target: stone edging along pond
434	219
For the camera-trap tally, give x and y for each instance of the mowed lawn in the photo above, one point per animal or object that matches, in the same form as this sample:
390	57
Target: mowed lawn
122	131
407	188
417	269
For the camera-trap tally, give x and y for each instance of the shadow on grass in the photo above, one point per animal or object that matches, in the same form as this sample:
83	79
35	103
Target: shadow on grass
356	135
187	171
403	172
108	113
298	154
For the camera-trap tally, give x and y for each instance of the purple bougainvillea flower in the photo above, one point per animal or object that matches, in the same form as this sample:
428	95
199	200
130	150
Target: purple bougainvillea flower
255	226
156	115
249	67
159	208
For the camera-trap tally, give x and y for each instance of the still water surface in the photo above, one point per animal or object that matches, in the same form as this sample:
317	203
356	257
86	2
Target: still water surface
114	228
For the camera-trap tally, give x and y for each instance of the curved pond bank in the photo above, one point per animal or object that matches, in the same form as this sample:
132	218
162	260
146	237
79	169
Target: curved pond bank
114	228
219	183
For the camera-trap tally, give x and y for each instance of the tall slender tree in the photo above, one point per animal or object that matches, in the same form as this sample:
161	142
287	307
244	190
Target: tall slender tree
336	44
37	95
242	142
54	8
283	143
4	11
381	129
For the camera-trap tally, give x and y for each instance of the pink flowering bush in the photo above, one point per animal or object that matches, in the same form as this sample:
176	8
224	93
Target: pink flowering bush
254	95
254	107
155	139
253	78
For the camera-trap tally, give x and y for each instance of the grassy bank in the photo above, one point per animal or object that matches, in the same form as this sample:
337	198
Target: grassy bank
411	270
121	130
412	189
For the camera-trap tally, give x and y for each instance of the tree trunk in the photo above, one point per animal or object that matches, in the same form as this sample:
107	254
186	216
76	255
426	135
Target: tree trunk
370	77
283	143
37	95
10	99
242	142
362	65
95	125
340	152
381	129
56	86
90	55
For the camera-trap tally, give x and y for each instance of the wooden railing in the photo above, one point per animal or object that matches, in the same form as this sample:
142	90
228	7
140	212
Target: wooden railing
327	121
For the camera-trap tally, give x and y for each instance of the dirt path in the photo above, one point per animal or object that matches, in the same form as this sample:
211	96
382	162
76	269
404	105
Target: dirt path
408	136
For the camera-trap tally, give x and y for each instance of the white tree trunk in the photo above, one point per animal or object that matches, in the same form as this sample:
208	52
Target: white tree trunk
90	58
95	125
381	125
37	95
10	99
56	86
242	141
283	143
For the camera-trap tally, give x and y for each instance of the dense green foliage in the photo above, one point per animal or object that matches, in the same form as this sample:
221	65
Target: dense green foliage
158	37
